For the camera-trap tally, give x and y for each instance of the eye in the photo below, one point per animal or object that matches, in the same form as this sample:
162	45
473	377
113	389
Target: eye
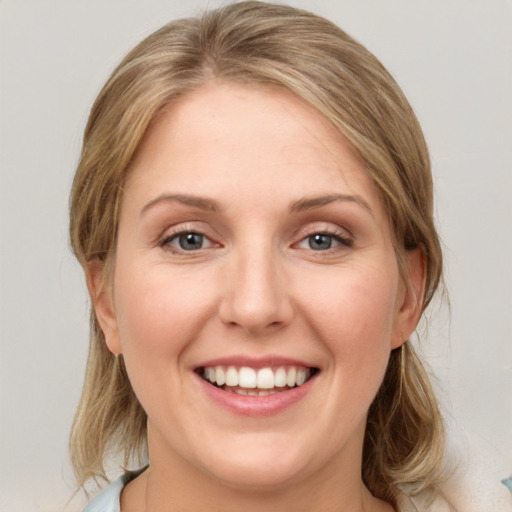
320	242
187	241
323	241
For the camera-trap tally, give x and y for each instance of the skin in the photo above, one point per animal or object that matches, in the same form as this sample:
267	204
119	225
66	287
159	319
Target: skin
255	288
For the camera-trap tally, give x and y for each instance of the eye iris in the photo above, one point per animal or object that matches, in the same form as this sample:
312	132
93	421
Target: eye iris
190	241
320	242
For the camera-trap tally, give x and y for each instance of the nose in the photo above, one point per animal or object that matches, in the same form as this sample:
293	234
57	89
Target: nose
256	293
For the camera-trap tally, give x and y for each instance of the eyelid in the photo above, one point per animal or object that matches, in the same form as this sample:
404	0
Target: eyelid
337	243
168	241
326	229
183	228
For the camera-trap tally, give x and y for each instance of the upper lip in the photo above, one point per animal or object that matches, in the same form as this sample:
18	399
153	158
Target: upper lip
255	362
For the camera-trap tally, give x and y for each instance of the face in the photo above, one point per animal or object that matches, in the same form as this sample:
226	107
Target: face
256	294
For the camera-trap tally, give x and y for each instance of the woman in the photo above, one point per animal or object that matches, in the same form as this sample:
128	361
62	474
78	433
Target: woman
253	212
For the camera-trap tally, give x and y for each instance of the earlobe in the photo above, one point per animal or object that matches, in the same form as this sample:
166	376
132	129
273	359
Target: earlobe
101	298
411	306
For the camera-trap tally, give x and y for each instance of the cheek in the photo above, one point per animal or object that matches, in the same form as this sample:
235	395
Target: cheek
159	312
355	312
352	314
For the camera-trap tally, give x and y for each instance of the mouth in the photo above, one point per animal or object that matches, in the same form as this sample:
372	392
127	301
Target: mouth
248	381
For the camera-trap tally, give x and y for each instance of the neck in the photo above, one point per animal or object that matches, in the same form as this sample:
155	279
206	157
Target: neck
161	496
174	485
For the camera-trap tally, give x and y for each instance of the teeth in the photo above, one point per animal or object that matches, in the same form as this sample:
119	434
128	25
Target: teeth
265	378
301	377
291	378
210	374
261	382
231	376
280	378
247	377
220	376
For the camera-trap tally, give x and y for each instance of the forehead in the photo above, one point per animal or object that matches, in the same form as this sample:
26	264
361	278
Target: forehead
235	139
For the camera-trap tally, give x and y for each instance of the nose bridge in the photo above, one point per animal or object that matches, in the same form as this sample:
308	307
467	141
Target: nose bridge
256	297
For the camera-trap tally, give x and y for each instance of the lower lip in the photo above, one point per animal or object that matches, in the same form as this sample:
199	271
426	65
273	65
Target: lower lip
256	405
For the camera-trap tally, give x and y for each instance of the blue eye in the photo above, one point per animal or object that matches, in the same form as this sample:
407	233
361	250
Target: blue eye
320	241
324	242
190	241
187	241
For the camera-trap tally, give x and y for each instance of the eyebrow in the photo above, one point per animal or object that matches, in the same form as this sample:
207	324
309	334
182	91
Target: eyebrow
189	200
309	203
303	204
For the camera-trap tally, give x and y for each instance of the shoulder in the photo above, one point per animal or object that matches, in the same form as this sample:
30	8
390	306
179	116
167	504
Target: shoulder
462	494
473	490
108	500
425	503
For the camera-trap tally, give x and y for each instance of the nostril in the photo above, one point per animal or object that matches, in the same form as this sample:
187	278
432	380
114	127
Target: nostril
255	299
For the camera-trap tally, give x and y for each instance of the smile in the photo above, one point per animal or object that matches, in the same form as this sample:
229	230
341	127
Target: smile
256	382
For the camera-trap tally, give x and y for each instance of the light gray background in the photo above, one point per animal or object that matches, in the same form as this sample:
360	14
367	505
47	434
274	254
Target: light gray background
453	58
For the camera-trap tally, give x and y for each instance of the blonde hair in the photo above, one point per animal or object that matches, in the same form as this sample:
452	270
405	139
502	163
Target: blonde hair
259	43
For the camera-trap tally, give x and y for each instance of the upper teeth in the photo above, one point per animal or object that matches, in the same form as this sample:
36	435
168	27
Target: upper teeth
263	378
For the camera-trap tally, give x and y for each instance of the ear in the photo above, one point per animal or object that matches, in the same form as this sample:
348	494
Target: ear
102	301
410	306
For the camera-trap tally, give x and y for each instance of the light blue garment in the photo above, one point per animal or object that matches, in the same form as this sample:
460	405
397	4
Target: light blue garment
108	500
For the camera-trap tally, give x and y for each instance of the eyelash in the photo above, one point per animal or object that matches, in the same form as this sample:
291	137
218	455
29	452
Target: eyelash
338	237
166	241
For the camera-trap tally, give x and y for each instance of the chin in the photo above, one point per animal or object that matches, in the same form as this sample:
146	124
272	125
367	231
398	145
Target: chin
254	476
258	463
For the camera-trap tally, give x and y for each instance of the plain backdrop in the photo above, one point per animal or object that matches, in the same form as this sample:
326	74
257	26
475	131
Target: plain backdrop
453	59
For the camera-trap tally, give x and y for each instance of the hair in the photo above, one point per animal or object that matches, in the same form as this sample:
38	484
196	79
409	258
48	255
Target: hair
263	44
